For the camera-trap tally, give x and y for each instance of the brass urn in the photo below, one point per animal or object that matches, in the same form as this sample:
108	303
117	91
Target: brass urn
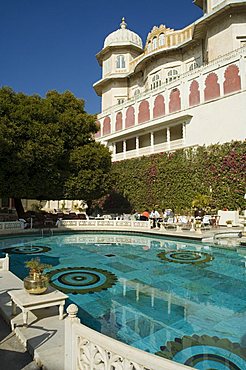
36	283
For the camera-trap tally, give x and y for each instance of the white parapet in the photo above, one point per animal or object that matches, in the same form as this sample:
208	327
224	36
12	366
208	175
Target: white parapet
4	263
87	349
10	225
80	224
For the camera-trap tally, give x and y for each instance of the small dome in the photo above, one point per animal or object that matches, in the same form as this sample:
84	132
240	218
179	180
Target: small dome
123	36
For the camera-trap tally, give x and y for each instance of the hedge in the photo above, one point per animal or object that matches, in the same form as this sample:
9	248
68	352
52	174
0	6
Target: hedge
172	180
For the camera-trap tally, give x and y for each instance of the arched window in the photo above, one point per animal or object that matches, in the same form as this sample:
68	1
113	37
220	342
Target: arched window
149	46
172	75
120	62
193	66
156	81
161	39
232	80
154	43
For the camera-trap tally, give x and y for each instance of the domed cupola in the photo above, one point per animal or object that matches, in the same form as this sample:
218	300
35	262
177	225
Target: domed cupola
123	36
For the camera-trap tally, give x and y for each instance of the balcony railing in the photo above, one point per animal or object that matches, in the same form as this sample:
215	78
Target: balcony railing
163	147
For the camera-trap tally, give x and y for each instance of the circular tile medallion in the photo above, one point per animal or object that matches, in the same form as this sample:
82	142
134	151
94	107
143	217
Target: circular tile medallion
183	256
205	352
27	249
81	279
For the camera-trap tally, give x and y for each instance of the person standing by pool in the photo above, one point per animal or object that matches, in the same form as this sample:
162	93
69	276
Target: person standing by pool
155	216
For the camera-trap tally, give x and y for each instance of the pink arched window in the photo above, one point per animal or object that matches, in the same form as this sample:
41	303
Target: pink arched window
212	89
232	79
130	117
106	126
174	101
159	106
118	123
194	97
143	112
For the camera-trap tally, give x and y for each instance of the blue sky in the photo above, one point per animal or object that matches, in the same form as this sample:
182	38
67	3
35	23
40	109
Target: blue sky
51	44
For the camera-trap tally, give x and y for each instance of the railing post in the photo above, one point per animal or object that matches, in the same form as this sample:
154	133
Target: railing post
69	350
6	262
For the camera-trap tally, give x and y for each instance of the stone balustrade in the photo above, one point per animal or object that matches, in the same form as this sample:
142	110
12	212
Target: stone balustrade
10	225
119	224
87	349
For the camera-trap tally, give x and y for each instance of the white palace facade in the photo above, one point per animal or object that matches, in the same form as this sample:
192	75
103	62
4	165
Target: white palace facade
182	89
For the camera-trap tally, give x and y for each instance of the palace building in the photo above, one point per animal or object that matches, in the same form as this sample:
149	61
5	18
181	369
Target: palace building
182	88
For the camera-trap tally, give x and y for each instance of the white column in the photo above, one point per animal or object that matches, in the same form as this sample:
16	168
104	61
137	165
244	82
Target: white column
242	71
202	86
220	73
168	138
152	144
124	149
124	118
166	95
137	145
113	121
151	106
69	345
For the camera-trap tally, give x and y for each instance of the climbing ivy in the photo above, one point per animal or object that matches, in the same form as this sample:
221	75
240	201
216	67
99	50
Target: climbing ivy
173	180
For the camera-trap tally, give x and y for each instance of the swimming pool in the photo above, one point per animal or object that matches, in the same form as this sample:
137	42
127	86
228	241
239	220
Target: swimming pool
185	301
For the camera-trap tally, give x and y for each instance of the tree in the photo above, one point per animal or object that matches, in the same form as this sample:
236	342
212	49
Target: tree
47	149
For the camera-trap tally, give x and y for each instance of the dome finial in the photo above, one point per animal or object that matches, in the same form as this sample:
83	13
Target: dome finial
123	23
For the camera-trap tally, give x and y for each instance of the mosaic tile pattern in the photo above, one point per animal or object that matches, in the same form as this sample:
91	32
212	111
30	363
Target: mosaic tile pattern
81	280
205	352
27	249
153	302
185	257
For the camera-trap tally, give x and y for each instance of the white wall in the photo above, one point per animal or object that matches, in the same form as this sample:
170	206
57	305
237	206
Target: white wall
218	121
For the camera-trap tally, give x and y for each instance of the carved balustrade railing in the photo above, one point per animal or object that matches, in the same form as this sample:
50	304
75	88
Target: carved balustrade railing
105	223
86	349
10	225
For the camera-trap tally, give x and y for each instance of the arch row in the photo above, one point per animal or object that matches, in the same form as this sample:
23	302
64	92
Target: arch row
212	90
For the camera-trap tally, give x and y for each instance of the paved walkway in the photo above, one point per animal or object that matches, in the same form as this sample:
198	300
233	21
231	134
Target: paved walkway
13	355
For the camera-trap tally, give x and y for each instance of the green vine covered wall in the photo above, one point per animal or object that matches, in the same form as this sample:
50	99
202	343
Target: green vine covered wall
173	180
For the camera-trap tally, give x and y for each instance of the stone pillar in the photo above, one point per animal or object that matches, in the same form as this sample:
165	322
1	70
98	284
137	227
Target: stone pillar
152	143
69	346
124	118
124	149
242	71
168	138
137	145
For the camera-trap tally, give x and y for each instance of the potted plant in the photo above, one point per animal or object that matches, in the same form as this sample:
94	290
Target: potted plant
36	282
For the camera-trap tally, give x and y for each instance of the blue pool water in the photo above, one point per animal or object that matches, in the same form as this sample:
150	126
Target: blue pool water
185	301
